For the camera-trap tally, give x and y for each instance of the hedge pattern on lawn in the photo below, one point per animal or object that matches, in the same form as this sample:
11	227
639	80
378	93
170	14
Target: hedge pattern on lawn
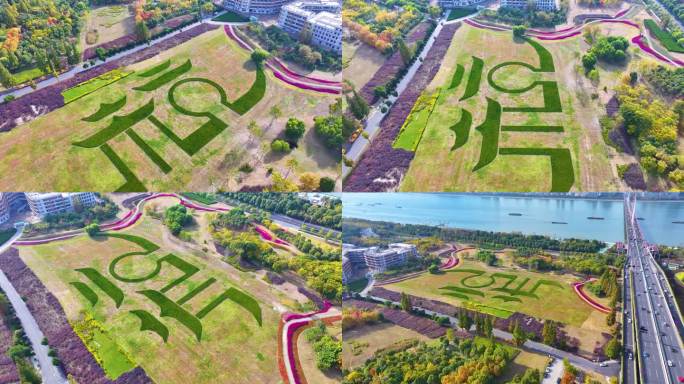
562	174
196	291
490	134
666	39
86	291
151	153
457	77
105	110
552	102
168	308
412	130
132	184
156	69
532	128
513	287
118	125
474	78
114	292
462	129
150	323
240	298
92	85
165	78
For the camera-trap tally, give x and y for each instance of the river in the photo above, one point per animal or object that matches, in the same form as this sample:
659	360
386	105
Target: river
520	214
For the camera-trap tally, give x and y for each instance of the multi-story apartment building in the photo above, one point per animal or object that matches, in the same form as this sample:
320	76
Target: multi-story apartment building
11	203
544	5
321	18
379	260
255	7
43	204
347	270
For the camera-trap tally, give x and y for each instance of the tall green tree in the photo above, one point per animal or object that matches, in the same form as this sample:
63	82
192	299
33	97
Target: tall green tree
6	78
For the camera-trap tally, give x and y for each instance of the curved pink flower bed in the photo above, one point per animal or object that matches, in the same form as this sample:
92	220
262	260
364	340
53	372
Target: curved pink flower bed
553	36
587	299
266	235
335	88
293	73
451	262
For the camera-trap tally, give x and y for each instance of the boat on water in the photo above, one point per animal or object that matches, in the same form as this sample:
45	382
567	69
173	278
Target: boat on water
678	222
559	222
515	214
595	218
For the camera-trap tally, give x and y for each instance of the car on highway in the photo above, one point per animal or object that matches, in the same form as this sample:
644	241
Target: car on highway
669	363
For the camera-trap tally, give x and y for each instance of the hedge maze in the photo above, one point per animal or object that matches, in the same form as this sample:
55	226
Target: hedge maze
160	76
562	172
500	286
167	307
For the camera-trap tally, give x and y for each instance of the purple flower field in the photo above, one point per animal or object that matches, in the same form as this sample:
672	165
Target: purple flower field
381	167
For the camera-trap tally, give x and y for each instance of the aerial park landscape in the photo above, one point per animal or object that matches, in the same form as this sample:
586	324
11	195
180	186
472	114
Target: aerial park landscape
554	113
186	124
132	296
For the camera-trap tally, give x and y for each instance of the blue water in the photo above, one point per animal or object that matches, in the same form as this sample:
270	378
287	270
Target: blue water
491	213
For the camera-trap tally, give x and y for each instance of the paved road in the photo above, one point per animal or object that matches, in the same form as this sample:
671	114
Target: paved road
660	344
612	367
375	117
50	373
78	68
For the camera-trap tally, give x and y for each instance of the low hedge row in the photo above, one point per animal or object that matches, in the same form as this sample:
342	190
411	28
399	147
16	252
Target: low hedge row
490	134
114	292
156	69
474	78
132	184
170	309
562	173
462	129
150	323
196	291
117	126
240	298
151	153
86	291
165	78
105	110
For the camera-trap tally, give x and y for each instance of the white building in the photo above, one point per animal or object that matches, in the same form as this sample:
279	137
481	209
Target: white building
11	203
43	204
543	5
347	270
255	7
379	260
449	4
321	18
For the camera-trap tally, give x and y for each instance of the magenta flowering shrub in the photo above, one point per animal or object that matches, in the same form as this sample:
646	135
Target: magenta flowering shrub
381	167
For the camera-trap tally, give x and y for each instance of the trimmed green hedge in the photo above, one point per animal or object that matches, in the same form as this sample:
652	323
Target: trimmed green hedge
240	298
532	128
85	290
255	93
194	142
132	184
457	77
466	291
196	291
171	309
545	58
156	69
185	267
150	323
507	298
148	247
462	129
114	292
562	174
118	125
481	285
92	85
666	39
552	102
490	134
165	78
105	110
456	295
151	154
474	78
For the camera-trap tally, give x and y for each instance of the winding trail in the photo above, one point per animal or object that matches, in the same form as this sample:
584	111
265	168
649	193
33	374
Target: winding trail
290	77
290	322
576	30
580	292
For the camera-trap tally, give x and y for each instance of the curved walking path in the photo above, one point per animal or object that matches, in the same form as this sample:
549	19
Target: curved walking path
576	30
291	322
50	374
578	289
290	77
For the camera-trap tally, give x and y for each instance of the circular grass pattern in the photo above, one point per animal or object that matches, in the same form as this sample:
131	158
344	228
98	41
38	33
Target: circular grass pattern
480	281
132	279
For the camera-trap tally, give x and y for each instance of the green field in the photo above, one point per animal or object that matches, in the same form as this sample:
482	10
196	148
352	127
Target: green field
6	235
231	17
181	316
500	292
457	13
173	122
666	39
509	119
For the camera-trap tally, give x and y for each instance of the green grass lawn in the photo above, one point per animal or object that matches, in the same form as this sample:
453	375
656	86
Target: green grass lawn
666	39
27	74
230	17
92	85
412	130
182	358
114	362
358	285
494	285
